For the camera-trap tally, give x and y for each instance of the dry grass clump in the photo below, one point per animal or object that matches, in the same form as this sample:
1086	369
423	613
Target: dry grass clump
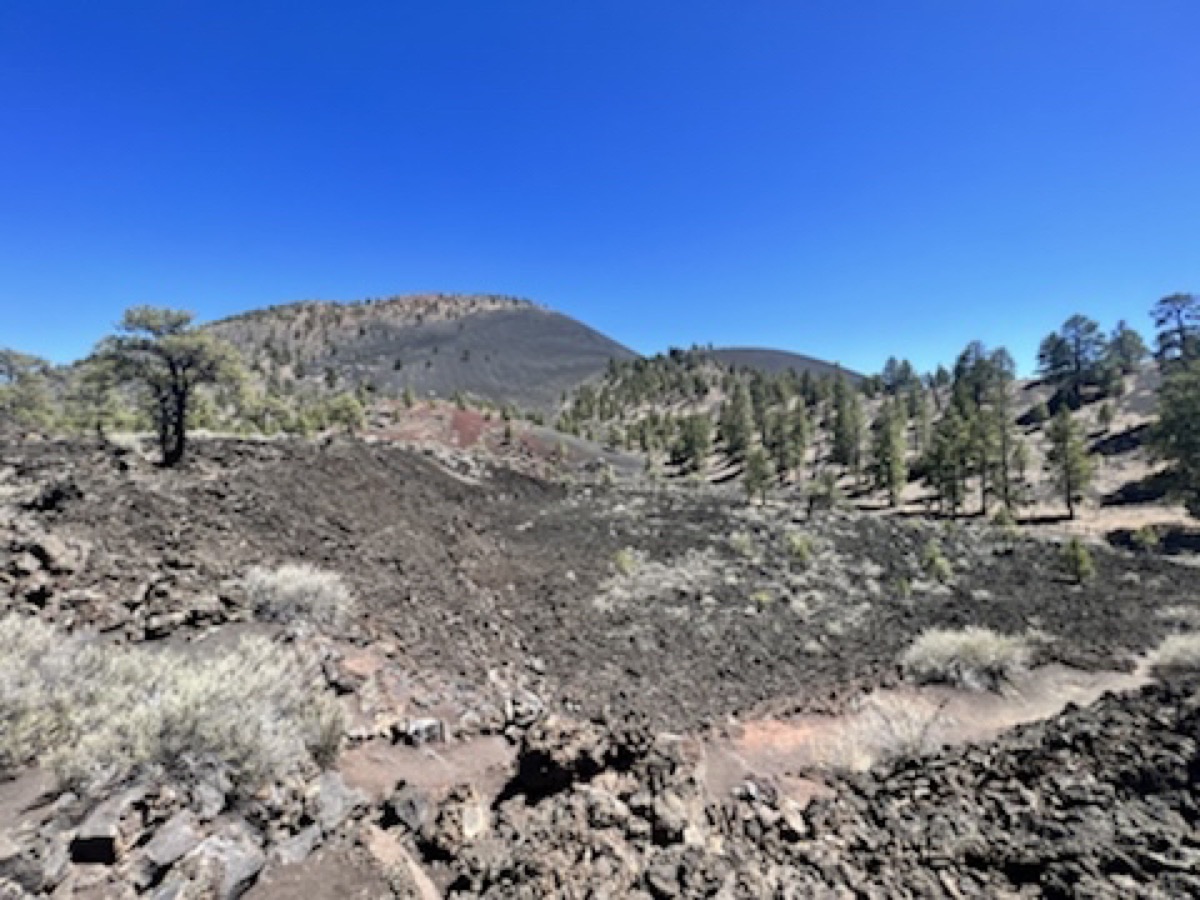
1178	654
885	727
101	714
974	658
300	593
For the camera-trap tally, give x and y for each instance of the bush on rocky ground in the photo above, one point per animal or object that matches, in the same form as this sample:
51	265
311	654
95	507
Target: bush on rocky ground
974	658
300	593
1176	655
101	714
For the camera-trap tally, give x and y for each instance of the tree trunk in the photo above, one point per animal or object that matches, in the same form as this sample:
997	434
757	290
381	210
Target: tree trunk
178	444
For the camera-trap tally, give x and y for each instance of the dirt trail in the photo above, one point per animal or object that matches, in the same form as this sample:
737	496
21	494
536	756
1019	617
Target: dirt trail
893	721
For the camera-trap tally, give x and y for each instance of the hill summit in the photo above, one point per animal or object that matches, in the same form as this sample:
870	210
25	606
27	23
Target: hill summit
504	350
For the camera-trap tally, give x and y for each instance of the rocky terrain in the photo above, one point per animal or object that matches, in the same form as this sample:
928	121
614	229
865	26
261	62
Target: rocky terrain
546	685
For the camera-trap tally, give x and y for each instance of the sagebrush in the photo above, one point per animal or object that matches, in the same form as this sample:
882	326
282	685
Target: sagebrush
300	593
101	714
974	658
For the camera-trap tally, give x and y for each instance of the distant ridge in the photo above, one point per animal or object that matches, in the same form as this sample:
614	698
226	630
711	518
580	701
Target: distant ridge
501	349
774	362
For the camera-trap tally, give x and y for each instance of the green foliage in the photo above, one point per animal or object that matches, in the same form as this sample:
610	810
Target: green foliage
25	396
1177	318
890	451
1147	539
1126	349
1077	560
800	548
1176	435
626	561
737	422
758	474
346	411
847	426
1073	358
934	562
693	444
1068	458
824	493
158	352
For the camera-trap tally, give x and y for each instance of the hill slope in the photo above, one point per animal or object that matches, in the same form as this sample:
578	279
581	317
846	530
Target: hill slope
775	362
500	349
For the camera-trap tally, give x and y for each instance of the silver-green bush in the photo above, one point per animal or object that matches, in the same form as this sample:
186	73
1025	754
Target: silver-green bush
975	658
102	714
300	593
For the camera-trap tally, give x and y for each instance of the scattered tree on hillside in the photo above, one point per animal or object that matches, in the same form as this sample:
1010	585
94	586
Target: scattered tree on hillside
1177	318
898	376
1068	458
947	462
1176	435
758	474
1072	358
693	444
889	451
737	422
847	427
1126	349
25	399
159	352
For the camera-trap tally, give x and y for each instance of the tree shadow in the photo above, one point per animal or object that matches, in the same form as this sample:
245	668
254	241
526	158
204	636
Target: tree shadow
1151	489
1172	541
1124	442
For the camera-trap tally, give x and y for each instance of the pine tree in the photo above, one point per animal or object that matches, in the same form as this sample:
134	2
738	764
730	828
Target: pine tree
847	427
1177	433
1177	318
1126	349
946	465
889	452
737	422
1068	458
758	474
1072	358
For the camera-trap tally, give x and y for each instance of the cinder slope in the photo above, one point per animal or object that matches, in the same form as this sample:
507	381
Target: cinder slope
498	349
772	362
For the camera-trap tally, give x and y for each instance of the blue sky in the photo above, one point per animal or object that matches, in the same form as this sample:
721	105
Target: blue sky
846	179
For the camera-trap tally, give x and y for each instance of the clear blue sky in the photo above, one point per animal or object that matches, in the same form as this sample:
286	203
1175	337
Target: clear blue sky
847	179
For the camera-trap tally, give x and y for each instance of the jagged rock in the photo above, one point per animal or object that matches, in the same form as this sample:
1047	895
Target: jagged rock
225	864
407	807
523	708
298	847
425	731
335	802
461	819
104	835
179	836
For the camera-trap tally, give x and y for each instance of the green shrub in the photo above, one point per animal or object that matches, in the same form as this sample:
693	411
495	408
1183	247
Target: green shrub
800	548
1078	561
300	593
100	714
742	544
1147	539
975	658
935	564
626	561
